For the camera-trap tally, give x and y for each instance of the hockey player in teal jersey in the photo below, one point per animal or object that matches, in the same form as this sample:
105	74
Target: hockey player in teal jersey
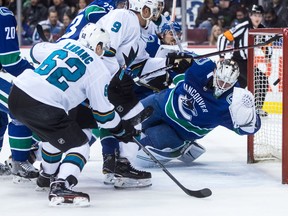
205	97
68	74
20	137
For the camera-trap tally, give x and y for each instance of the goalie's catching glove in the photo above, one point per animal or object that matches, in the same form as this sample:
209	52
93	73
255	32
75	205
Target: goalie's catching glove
180	61
242	110
125	131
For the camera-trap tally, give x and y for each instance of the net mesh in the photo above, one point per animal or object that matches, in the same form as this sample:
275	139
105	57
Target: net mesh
268	72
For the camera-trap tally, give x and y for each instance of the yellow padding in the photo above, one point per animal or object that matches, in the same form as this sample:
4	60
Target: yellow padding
273	107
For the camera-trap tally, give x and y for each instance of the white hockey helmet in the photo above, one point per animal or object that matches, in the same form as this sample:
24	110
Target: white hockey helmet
138	5
225	76
91	35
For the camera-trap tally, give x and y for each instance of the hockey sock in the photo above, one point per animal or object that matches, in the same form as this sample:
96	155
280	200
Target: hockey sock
20	140
74	161
51	158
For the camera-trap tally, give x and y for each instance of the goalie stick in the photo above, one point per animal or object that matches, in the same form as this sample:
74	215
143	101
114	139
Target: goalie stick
41	33
202	193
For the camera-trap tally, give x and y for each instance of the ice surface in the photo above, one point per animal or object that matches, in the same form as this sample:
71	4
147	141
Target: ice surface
238	188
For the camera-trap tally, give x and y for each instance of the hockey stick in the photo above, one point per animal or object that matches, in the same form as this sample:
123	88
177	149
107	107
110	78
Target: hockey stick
41	33
202	193
142	116
276	37
172	27
138	80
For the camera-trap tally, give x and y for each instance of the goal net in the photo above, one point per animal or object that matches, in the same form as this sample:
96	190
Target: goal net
271	97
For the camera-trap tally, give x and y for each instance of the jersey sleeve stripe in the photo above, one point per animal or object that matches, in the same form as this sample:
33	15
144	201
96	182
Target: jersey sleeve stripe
103	117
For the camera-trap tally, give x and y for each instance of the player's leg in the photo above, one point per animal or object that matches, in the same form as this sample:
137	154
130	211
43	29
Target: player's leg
4	169
173	144
64	134
20	138
127	176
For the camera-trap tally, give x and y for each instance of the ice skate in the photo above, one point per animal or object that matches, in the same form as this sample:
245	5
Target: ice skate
4	170
61	195
43	181
22	171
108	169
129	177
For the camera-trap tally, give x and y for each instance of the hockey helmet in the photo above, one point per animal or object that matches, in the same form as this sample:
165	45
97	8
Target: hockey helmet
167	27
225	76
257	9
138	5
123	2
91	35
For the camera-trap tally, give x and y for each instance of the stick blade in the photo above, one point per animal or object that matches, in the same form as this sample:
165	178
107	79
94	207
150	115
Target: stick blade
203	193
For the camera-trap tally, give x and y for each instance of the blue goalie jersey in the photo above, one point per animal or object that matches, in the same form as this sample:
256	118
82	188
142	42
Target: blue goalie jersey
191	105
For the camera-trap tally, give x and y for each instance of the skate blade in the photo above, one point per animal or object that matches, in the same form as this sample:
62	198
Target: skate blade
22	180
5	177
109	179
77	202
42	189
124	183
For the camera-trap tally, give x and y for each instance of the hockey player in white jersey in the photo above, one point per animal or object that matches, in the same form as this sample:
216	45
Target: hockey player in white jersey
68	74
128	46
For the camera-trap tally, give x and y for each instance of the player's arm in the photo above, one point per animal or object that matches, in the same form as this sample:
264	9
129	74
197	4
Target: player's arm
229	36
41	51
103	110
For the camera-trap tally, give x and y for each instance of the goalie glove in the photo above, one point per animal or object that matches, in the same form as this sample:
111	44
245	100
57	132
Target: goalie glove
180	61
242	110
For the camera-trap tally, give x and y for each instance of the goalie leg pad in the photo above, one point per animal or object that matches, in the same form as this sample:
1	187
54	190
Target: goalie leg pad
193	151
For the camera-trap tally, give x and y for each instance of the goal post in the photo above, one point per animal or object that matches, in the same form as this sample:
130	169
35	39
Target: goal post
271	96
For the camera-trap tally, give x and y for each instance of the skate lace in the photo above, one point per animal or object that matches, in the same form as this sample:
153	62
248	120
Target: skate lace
27	166
134	169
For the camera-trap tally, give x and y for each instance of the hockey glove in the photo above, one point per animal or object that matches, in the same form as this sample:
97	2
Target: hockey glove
180	61
242	110
122	82
125	131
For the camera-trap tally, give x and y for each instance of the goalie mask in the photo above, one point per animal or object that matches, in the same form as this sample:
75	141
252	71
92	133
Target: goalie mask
91	35
225	76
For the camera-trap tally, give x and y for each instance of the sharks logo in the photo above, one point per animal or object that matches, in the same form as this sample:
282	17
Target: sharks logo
131	56
187	107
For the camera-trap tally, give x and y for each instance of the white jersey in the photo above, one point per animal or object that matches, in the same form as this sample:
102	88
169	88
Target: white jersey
126	41
124	30
68	74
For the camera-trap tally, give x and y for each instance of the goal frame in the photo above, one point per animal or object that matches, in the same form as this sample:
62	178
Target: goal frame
250	147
